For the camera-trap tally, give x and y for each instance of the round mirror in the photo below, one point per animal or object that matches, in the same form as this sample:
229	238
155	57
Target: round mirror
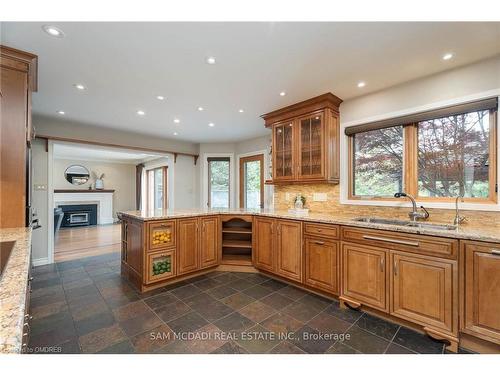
77	174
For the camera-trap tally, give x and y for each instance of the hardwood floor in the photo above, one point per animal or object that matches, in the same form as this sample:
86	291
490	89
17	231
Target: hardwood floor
82	242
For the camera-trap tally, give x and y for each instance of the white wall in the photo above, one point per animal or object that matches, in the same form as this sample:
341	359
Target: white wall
40	201
118	176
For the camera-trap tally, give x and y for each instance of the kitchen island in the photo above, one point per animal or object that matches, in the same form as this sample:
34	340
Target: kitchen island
427	278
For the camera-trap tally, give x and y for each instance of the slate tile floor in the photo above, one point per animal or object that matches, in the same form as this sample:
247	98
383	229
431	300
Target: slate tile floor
83	306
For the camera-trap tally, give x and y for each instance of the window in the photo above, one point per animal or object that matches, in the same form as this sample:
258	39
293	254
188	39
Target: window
218	182
252	181
378	162
433	156
156	187
453	156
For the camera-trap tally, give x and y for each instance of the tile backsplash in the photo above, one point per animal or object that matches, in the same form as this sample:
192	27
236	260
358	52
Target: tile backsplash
284	196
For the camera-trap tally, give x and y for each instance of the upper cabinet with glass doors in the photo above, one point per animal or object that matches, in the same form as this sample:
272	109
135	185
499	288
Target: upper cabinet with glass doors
306	141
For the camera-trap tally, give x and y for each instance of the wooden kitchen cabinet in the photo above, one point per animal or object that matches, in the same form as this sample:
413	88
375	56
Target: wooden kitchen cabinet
481	302
364	278
134	245
187	248
18	71
321	264
305	141
209	241
422	290
263	243
289	249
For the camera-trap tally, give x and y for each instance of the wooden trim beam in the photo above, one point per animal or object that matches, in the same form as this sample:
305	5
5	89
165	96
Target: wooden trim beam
95	143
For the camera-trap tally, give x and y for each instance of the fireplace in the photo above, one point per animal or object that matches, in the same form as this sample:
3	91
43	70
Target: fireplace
77	215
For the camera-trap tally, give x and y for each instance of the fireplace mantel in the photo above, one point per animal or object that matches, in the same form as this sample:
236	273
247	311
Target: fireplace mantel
83	191
103	199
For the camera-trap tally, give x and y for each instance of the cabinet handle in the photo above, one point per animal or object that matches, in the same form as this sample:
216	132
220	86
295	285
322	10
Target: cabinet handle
318	230
395	268
163	225
495	252
384	239
382	264
319	242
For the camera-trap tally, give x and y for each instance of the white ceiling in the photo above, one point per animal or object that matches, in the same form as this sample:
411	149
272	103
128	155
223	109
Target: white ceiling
88	152
126	65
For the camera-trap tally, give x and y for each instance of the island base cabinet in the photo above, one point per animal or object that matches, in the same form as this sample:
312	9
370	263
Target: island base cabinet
481	317
364	275
423	292
321	264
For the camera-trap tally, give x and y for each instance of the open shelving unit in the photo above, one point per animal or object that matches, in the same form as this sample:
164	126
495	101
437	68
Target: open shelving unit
237	241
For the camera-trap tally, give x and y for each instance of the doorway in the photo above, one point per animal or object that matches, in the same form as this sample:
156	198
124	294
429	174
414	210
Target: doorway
252	181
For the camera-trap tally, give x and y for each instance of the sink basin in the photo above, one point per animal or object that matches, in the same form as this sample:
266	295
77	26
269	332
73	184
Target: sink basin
405	223
5	250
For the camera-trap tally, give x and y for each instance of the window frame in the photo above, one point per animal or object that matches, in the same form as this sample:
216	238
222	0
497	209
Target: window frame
410	167
164	184
242	186
209	176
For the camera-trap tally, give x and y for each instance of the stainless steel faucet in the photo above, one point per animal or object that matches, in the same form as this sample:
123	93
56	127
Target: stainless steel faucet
458	219
414	214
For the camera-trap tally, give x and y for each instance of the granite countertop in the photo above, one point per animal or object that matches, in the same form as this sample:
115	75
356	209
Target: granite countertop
13	284
469	230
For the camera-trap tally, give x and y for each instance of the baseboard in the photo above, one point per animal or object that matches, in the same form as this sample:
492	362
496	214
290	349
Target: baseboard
40	262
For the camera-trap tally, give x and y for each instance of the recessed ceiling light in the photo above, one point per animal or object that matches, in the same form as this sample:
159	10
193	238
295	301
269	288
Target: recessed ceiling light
176	120
447	56
282	93
211	60
62	113
53	31
211	124
361	84
175	133
79	86
241	111
159	97
140	112
200	109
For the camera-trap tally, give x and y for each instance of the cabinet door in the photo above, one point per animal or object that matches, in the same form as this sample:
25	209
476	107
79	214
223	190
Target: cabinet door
283	151
209	244
364	275
160	266
263	237
13	119
422	290
482	291
134	245
187	247
311	149
321	269
289	249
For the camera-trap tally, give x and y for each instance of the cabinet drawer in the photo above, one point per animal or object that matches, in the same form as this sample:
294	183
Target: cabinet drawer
160	266
419	244
330	231
161	234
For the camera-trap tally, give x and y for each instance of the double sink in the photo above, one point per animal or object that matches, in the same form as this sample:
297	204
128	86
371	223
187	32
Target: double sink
405	223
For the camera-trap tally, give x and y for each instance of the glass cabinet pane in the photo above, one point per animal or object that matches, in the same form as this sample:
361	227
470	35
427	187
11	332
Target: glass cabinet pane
311	146
283	150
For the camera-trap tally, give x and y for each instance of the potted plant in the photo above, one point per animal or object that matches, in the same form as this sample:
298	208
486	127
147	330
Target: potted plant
99	182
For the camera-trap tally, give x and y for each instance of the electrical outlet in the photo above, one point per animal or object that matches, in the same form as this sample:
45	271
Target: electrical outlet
319	197
287	196
39	187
